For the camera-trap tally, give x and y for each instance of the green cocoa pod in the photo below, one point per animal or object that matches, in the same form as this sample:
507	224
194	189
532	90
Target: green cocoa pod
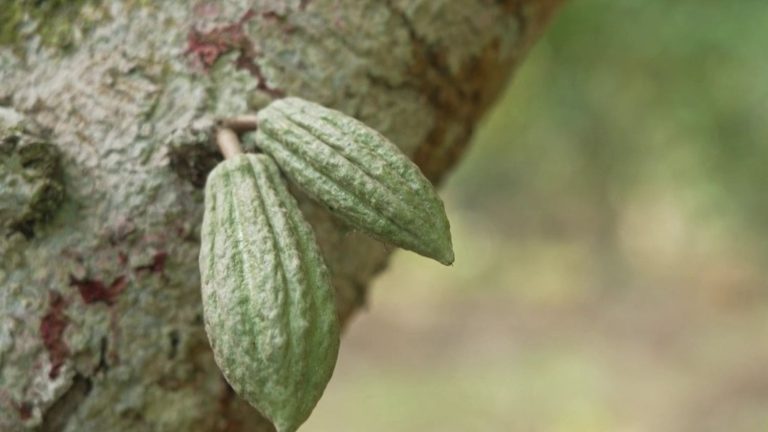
357	173
268	301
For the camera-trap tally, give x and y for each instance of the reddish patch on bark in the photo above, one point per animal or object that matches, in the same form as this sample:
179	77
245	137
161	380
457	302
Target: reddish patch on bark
52	329
122	257
25	410
207	47
93	290
156	266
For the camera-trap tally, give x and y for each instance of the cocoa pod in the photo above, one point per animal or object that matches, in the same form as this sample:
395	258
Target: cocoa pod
357	173
268	301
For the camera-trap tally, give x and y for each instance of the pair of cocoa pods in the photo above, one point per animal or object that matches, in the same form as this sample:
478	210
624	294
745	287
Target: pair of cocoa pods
268	301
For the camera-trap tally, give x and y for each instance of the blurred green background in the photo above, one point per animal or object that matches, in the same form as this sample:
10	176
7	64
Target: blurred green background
610	224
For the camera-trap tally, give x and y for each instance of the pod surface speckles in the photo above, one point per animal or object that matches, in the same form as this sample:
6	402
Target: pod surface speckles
357	173
268	302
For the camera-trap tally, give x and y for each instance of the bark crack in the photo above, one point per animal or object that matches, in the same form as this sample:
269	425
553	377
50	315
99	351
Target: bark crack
425	55
458	97
57	416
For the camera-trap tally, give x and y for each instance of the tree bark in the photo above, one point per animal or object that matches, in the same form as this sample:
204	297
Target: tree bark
105	114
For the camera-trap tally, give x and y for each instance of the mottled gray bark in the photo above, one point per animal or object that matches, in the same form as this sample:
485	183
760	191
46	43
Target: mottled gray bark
104	110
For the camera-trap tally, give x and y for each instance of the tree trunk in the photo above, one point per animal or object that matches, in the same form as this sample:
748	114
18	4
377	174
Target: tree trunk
104	112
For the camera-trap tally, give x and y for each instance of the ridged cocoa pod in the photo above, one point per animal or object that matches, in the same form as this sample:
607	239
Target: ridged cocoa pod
357	173
268	302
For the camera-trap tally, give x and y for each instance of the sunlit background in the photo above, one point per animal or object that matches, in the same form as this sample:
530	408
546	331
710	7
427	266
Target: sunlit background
611	231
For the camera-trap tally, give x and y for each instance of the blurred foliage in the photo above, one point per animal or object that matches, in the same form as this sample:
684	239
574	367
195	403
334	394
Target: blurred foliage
610	244
623	96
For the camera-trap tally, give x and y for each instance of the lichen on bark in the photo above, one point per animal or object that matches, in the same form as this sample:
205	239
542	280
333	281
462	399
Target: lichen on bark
31	187
100	325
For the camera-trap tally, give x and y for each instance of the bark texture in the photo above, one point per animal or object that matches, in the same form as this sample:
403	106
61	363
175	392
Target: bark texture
105	108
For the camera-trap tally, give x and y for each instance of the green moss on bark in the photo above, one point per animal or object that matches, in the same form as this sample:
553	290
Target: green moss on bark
54	21
31	185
